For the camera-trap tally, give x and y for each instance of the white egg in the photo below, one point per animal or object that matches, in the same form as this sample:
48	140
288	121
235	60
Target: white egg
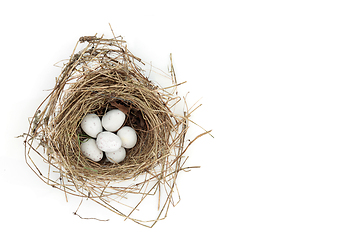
90	150
91	125
108	141
117	156
113	120
128	136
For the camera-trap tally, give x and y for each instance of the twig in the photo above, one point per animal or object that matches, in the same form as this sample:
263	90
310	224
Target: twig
75	213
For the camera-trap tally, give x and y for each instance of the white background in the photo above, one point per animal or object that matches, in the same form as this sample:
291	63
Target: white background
279	82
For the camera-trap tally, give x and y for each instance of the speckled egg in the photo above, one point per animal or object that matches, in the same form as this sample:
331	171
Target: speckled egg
113	120
90	150
128	136
108	141
117	156
91	124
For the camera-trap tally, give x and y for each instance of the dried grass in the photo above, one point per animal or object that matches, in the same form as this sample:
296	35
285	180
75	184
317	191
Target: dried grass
102	76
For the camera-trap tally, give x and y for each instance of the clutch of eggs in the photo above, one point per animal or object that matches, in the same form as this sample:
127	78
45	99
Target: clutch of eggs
113	141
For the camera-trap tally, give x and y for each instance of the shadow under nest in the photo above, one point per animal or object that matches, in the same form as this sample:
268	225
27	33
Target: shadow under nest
102	76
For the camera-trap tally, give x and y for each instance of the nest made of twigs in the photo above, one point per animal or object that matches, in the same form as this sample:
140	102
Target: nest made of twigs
105	75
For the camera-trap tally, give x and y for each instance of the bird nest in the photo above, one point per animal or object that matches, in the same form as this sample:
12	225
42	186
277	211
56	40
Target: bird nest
105	75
